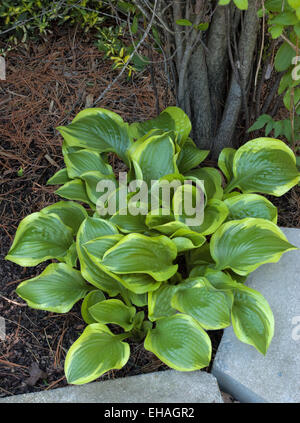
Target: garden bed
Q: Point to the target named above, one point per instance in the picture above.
(47, 85)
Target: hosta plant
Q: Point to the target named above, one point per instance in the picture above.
(150, 276)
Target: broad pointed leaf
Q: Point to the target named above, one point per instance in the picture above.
(137, 253)
(113, 311)
(180, 342)
(72, 214)
(251, 205)
(244, 245)
(252, 318)
(56, 289)
(90, 299)
(40, 237)
(264, 165)
(94, 353)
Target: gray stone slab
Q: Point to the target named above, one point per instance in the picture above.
(169, 386)
(239, 368)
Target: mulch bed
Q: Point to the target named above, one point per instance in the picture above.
(47, 85)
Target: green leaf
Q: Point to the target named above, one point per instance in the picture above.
(212, 181)
(224, 2)
(159, 302)
(71, 214)
(241, 4)
(219, 279)
(251, 205)
(94, 353)
(155, 157)
(139, 283)
(40, 237)
(75, 190)
(98, 131)
(285, 18)
(60, 177)
(264, 165)
(252, 318)
(90, 299)
(215, 213)
(56, 289)
(210, 307)
(284, 57)
(92, 228)
(294, 3)
(184, 22)
(225, 162)
(137, 253)
(276, 30)
(91, 181)
(180, 342)
(190, 156)
(170, 119)
(82, 161)
(113, 311)
(140, 300)
(185, 239)
(98, 246)
(260, 122)
(129, 223)
(244, 245)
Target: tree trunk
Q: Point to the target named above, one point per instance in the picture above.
(213, 68)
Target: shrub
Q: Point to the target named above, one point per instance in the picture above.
(151, 276)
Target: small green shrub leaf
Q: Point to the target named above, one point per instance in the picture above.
(94, 353)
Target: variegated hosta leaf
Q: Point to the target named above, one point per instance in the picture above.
(209, 306)
(159, 302)
(186, 240)
(137, 253)
(155, 157)
(40, 237)
(94, 353)
(264, 165)
(215, 213)
(92, 228)
(56, 289)
(90, 299)
(129, 223)
(71, 257)
(60, 177)
(98, 130)
(190, 156)
(113, 311)
(219, 279)
(72, 214)
(252, 318)
(250, 205)
(180, 342)
(225, 162)
(140, 300)
(201, 255)
(83, 161)
(91, 180)
(212, 181)
(171, 119)
(139, 283)
(75, 190)
(243, 245)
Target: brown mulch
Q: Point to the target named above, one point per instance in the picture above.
(47, 85)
